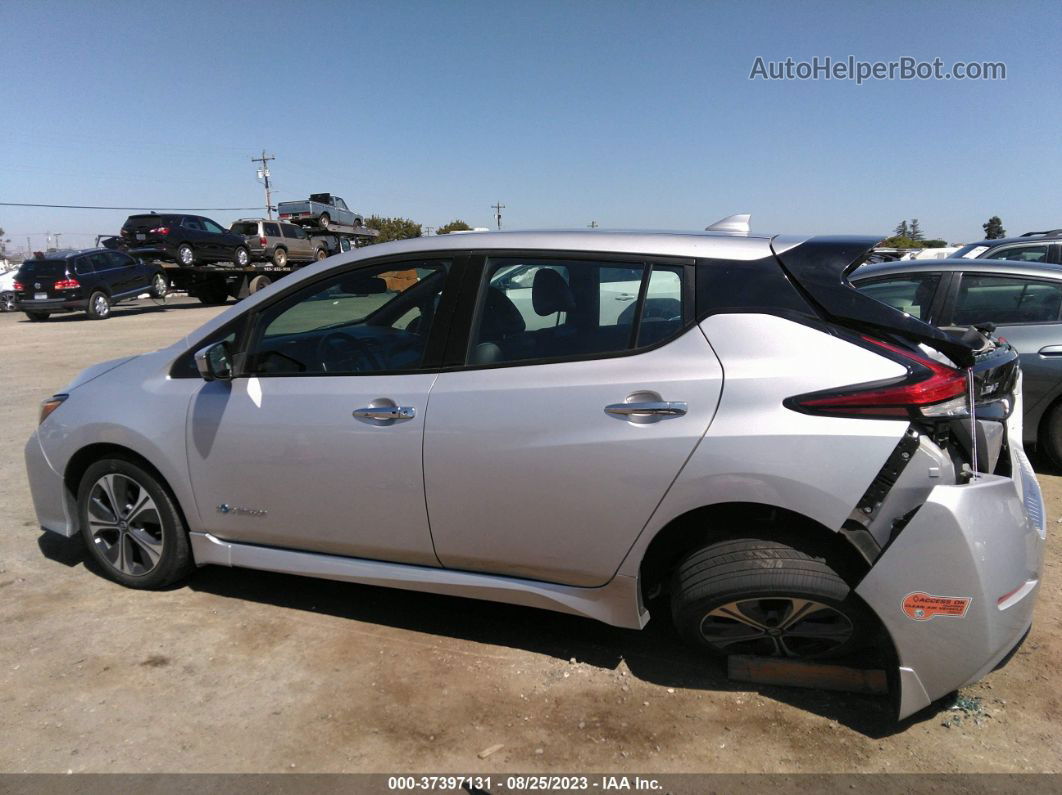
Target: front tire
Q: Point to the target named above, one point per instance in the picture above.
(99, 306)
(759, 597)
(1050, 441)
(131, 525)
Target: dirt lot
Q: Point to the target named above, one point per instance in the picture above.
(247, 671)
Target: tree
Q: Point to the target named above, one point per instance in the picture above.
(901, 229)
(392, 228)
(994, 228)
(935, 243)
(900, 241)
(915, 232)
(454, 226)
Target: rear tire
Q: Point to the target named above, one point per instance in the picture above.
(159, 288)
(259, 282)
(131, 525)
(212, 294)
(8, 302)
(320, 254)
(99, 306)
(324, 221)
(241, 257)
(753, 596)
(1050, 441)
(280, 257)
(37, 317)
(185, 255)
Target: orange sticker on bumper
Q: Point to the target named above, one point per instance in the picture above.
(923, 606)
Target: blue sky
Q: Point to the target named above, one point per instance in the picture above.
(626, 113)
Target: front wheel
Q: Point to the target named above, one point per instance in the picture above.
(1050, 441)
(131, 525)
(99, 306)
(759, 597)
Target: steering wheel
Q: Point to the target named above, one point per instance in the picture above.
(341, 353)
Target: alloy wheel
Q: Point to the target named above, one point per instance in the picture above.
(776, 626)
(101, 306)
(125, 524)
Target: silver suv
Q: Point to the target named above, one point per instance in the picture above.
(278, 242)
(713, 427)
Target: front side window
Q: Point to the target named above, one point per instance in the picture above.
(910, 293)
(101, 262)
(119, 260)
(192, 223)
(999, 299)
(533, 309)
(210, 226)
(83, 266)
(1021, 253)
(363, 321)
(293, 232)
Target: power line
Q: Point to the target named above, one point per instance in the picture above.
(155, 209)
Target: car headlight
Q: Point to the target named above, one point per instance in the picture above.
(50, 405)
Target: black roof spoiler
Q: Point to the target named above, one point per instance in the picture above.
(820, 266)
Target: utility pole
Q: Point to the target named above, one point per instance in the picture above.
(498, 207)
(592, 225)
(57, 240)
(263, 174)
(428, 230)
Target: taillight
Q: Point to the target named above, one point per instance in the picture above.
(68, 283)
(930, 389)
(262, 241)
(17, 286)
(160, 230)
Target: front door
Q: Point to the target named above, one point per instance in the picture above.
(316, 445)
(546, 456)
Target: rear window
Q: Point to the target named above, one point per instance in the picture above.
(245, 228)
(144, 221)
(48, 268)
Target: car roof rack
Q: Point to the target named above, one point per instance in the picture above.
(1047, 232)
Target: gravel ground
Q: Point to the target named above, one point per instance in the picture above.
(248, 671)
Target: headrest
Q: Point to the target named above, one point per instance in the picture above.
(550, 293)
(500, 316)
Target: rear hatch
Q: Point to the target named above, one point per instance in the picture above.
(947, 369)
(38, 279)
(141, 229)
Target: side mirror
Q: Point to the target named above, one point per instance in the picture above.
(214, 362)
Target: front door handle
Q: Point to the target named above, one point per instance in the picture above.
(669, 408)
(386, 413)
(1051, 350)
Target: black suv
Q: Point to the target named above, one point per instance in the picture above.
(1042, 247)
(185, 239)
(88, 281)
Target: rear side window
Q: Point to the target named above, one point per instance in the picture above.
(83, 266)
(533, 310)
(245, 228)
(1021, 253)
(910, 293)
(271, 230)
(999, 299)
(192, 223)
(119, 260)
(101, 262)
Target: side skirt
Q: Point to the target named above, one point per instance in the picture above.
(618, 603)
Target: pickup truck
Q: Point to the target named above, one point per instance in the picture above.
(320, 210)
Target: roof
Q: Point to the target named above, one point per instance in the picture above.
(65, 253)
(951, 264)
(1028, 237)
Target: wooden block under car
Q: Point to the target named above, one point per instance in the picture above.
(797, 673)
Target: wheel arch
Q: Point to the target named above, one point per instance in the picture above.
(733, 520)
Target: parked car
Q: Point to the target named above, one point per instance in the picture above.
(278, 242)
(1043, 247)
(321, 210)
(8, 297)
(89, 281)
(699, 462)
(185, 239)
(1023, 301)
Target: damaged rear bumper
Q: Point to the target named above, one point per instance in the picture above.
(955, 590)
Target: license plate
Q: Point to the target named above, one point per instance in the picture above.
(40, 296)
(141, 237)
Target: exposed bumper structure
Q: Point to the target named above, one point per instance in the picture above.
(978, 548)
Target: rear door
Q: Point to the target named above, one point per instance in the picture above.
(547, 451)
(297, 242)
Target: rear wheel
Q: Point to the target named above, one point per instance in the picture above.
(8, 302)
(259, 282)
(185, 255)
(280, 257)
(131, 525)
(759, 597)
(99, 306)
(241, 256)
(159, 288)
(212, 293)
(38, 317)
(324, 221)
(320, 254)
(1050, 440)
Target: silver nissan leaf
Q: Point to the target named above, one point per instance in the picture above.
(714, 428)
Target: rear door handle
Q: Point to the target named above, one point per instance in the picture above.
(386, 413)
(670, 408)
(1051, 350)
